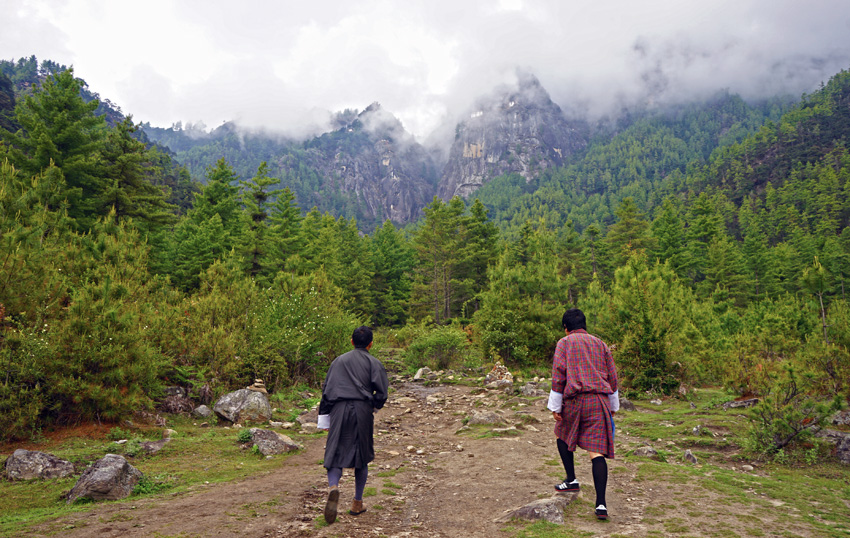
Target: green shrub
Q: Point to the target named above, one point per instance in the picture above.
(788, 413)
(244, 436)
(439, 348)
(116, 434)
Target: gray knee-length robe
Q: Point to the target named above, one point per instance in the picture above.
(356, 385)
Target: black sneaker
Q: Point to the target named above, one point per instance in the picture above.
(601, 512)
(567, 486)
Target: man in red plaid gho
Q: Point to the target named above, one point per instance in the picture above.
(583, 399)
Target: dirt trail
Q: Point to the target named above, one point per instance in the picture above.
(436, 483)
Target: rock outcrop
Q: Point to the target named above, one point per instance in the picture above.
(244, 405)
(28, 465)
(108, 479)
(551, 510)
(373, 156)
(517, 130)
(270, 443)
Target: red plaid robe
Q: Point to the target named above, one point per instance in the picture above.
(584, 372)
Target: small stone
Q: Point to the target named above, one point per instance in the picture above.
(656, 402)
(204, 425)
(747, 468)
(168, 433)
(422, 374)
(411, 448)
(120, 441)
(420, 452)
(689, 456)
(647, 452)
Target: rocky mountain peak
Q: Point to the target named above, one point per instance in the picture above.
(517, 129)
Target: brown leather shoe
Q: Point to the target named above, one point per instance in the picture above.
(330, 506)
(356, 508)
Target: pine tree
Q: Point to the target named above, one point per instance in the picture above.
(59, 128)
(629, 234)
(219, 196)
(127, 170)
(392, 259)
(285, 239)
(437, 243)
(254, 241)
(668, 229)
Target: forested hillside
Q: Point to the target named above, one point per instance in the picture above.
(708, 245)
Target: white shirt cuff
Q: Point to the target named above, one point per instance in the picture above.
(324, 422)
(614, 401)
(556, 401)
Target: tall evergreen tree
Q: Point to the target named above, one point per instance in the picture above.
(58, 127)
(255, 241)
(393, 261)
(127, 170)
(285, 239)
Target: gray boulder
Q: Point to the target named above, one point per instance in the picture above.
(841, 440)
(689, 457)
(648, 452)
(107, 479)
(27, 465)
(842, 418)
(152, 447)
(422, 374)
(531, 390)
(505, 385)
(270, 443)
(627, 405)
(485, 417)
(551, 510)
(843, 450)
(308, 417)
(244, 405)
(202, 411)
(741, 403)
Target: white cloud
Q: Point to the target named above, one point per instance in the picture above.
(278, 65)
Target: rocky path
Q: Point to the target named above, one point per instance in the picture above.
(428, 480)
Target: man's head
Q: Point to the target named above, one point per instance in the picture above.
(362, 337)
(573, 320)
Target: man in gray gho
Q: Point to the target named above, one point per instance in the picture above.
(355, 386)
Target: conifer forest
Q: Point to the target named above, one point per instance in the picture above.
(708, 244)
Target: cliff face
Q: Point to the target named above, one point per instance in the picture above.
(393, 176)
(517, 131)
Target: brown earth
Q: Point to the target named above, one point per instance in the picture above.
(442, 484)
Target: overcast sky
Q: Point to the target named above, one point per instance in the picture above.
(284, 64)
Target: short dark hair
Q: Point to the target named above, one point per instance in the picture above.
(574, 319)
(362, 337)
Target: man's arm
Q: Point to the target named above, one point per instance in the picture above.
(559, 381)
(612, 370)
(380, 384)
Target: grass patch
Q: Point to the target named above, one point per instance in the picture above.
(194, 457)
(544, 529)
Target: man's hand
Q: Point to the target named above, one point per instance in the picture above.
(557, 416)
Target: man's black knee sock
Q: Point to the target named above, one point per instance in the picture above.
(567, 460)
(600, 478)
